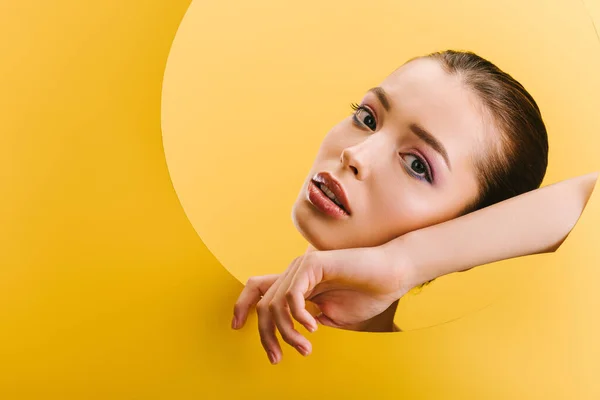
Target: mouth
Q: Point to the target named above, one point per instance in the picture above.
(327, 194)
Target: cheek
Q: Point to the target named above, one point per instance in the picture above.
(337, 139)
(331, 146)
(404, 210)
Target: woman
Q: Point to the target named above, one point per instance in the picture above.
(443, 136)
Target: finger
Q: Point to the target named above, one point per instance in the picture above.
(280, 311)
(297, 306)
(266, 330)
(266, 324)
(300, 286)
(285, 325)
(312, 308)
(251, 294)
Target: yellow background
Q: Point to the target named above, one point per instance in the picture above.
(106, 291)
(251, 89)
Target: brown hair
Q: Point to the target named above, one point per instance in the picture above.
(519, 157)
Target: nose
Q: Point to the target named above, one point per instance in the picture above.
(362, 158)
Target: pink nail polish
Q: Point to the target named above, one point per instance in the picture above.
(234, 324)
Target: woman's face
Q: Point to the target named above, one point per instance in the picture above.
(403, 160)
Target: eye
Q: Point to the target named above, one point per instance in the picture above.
(363, 116)
(417, 167)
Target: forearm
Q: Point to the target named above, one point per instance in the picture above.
(534, 222)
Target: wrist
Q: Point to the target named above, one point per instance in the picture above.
(398, 257)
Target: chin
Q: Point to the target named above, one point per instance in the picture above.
(306, 224)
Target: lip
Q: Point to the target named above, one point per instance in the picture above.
(335, 186)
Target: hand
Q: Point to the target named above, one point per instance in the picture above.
(349, 287)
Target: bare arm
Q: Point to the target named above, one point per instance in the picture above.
(351, 286)
(534, 222)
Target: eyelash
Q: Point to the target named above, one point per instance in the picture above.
(355, 107)
(428, 174)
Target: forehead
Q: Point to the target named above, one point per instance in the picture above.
(426, 83)
(422, 92)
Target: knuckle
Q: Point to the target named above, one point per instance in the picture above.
(252, 281)
(287, 338)
(262, 307)
(272, 306)
(297, 260)
(310, 257)
(289, 295)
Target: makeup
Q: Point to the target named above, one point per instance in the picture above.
(328, 196)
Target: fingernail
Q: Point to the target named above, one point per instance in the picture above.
(302, 350)
(234, 323)
(272, 358)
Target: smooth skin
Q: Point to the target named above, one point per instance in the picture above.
(396, 181)
(406, 159)
(352, 286)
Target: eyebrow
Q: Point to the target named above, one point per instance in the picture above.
(431, 141)
(417, 129)
(380, 93)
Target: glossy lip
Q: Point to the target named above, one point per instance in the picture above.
(323, 203)
(335, 186)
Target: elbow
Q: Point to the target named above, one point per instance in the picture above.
(586, 186)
